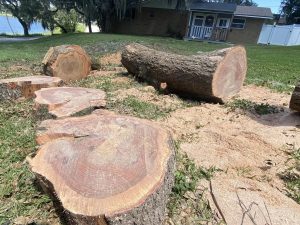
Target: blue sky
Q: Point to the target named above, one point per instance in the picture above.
(273, 4)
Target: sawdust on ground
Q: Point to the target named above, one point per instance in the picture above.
(245, 146)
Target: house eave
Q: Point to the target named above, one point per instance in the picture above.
(250, 16)
(210, 11)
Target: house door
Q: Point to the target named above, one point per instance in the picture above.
(202, 26)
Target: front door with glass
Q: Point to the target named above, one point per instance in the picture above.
(202, 26)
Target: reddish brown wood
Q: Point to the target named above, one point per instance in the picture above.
(295, 100)
(69, 62)
(214, 76)
(68, 101)
(106, 168)
(14, 88)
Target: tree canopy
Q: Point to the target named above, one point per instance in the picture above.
(25, 11)
(291, 9)
(57, 13)
(238, 2)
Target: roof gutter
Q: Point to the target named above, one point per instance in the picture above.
(210, 11)
(258, 17)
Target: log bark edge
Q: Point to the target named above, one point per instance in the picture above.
(214, 76)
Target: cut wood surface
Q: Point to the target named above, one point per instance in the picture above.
(213, 76)
(106, 168)
(68, 101)
(15, 88)
(69, 62)
(295, 100)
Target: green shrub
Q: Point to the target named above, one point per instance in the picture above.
(68, 20)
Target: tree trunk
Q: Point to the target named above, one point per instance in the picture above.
(25, 27)
(67, 101)
(213, 76)
(90, 26)
(69, 62)
(63, 29)
(295, 100)
(14, 88)
(106, 169)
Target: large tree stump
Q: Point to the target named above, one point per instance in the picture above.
(213, 76)
(14, 88)
(68, 101)
(106, 169)
(295, 100)
(69, 62)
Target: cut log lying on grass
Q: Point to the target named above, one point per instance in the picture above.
(67, 101)
(69, 62)
(14, 88)
(106, 169)
(295, 100)
(213, 76)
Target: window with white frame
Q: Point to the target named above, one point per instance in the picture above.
(238, 23)
(223, 22)
(198, 21)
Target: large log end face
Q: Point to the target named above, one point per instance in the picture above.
(106, 169)
(69, 62)
(230, 73)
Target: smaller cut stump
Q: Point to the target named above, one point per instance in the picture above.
(69, 62)
(295, 100)
(106, 169)
(68, 101)
(14, 88)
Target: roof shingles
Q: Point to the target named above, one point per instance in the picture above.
(253, 11)
(213, 6)
(243, 11)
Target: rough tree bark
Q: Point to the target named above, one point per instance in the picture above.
(295, 100)
(14, 88)
(67, 101)
(69, 62)
(213, 76)
(106, 169)
(25, 26)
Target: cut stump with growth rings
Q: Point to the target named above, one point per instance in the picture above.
(106, 169)
(14, 88)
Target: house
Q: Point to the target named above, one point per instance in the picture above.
(201, 21)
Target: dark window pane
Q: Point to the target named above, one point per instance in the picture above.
(241, 26)
(198, 22)
(209, 21)
(238, 21)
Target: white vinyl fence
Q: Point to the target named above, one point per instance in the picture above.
(287, 35)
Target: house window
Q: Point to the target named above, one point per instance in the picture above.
(209, 21)
(223, 22)
(198, 20)
(238, 23)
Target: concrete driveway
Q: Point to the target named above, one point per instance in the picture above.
(17, 39)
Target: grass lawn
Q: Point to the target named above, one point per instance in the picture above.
(272, 66)
(275, 67)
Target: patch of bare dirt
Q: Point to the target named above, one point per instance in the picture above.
(264, 95)
(18, 70)
(242, 144)
(248, 145)
(102, 73)
(149, 94)
(245, 146)
(111, 59)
